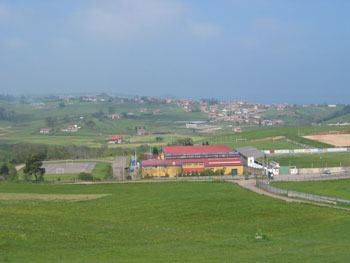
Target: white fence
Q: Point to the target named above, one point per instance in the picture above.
(316, 150)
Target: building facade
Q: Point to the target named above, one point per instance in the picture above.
(176, 160)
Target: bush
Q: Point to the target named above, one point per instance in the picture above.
(108, 172)
(129, 177)
(207, 172)
(85, 177)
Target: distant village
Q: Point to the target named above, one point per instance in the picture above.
(236, 114)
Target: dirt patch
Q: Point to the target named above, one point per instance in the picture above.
(333, 139)
(276, 138)
(48, 197)
(329, 132)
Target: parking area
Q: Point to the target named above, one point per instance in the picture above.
(69, 168)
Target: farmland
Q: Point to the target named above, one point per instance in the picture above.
(166, 222)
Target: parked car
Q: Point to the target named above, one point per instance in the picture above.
(327, 172)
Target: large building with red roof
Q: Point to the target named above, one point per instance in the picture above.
(176, 160)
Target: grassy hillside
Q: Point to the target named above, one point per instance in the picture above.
(165, 222)
(292, 133)
(334, 188)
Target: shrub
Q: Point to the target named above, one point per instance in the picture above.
(129, 177)
(85, 177)
(108, 172)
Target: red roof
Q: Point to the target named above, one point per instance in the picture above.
(197, 149)
(116, 137)
(227, 161)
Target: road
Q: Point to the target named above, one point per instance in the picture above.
(119, 166)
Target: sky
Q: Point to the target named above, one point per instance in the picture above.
(295, 51)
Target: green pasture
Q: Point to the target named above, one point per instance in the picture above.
(318, 160)
(335, 188)
(30, 120)
(293, 133)
(164, 222)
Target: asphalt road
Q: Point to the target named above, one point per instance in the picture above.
(119, 166)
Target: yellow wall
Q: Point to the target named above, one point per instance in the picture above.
(193, 165)
(172, 171)
(228, 170)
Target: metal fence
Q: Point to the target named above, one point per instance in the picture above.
(311, 177)
(204, 178)
(319, 198)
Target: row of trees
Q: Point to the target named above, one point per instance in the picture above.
(8, 172)
(6, 115)
(21, 151)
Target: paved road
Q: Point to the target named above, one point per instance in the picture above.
(118, 166)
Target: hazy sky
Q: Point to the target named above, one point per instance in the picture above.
(294, 51)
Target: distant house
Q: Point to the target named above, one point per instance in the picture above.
(72, 128)
(141, 132)
(237, 129)
(156, 112)
(115, 116)
(45, 131)
(143, 110)
(115, 139)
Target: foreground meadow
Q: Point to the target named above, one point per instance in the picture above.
(334, 188)
(165, 222)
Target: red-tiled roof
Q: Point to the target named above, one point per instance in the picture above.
(115, 137)
(210, 162)
(197, 149)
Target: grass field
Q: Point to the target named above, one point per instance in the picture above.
(292, 133)
(319, 160)
(334, 188)
(167, 222)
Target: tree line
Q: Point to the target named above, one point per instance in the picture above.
(6, 115)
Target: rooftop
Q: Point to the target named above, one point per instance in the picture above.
(197, 149)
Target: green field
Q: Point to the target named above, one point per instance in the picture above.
(319, 160)
(30, 120)
(334, 188)
(294, 134)
(164, 222)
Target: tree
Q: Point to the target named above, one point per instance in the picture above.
(61, 105)
(33, 167)
(155, 151)
(51, 121)
(109, 172)
(111, 109)
(4, 170)
(90, 124)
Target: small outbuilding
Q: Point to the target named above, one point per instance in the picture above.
(116, 139)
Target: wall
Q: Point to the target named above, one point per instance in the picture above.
(172, 171)
(228, 169)
(321, 170)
